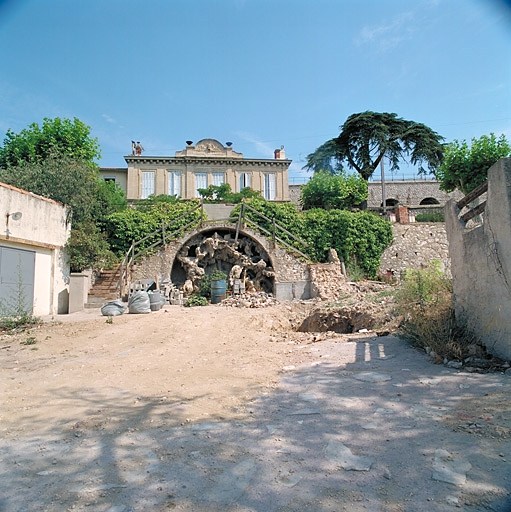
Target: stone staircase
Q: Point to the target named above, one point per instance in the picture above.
(104, 289)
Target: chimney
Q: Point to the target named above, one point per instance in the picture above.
(280, 154)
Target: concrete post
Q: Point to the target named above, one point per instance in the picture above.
(78, 290)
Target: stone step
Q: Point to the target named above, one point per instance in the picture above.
(104, 288)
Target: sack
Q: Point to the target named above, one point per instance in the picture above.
(139, 303)
(113, 308)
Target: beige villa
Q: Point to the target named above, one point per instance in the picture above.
(197, 166)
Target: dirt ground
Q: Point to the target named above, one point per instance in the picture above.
(187, 371)
(208, 360)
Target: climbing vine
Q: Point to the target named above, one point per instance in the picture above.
(358, 237)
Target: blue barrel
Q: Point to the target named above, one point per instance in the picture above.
(218, 291)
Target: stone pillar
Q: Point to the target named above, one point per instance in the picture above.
(402, 215)
(78, 291)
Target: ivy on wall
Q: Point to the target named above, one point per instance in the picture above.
(132, 224)
(358, 237)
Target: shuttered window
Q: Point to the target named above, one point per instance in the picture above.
(269, 187)
(245, 180)
(218, 178)
(201, 181)
(147, 184)
(174, 185)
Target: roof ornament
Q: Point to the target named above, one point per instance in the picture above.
(136, 148)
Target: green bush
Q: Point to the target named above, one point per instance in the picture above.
(224, 194)
(196, 300)
(430, 217)
(356, 236)
(205, 282)
(136, 223)
(340, 191)
(88, 247)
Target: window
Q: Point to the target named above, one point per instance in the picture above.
(269, 187)
(218, 178)
(174, 185)
(147, 184)
(201, 181)
(245, 180)
(109, 179)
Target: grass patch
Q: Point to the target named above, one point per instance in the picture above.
(379, 296)
(29, 341)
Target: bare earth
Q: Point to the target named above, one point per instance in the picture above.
(214, 409)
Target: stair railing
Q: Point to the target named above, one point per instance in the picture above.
(169, 231)
(469, 198)
(242, 218)
(165, 233)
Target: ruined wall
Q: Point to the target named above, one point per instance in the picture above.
(481, 264)
(415, 246)
(327, 279)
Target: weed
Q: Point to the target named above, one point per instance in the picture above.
(29, 341)
(354, 270)
(15, 312)
(110, 320)
(425, 301)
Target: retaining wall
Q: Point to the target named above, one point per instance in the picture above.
(481, 264)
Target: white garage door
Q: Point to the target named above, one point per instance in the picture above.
(16, 281)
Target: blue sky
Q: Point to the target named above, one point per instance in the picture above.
(259, 73)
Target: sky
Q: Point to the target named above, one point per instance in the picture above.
(258, 73)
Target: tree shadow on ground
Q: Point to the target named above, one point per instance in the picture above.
(357, 435)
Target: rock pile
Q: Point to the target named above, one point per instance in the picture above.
(250, 300)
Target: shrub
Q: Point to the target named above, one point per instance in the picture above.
(88, 247)
(340, 191)
(224, 194)
(430, 217)
(425, 300)
(196, 300)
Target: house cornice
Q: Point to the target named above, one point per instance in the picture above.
(183, 160)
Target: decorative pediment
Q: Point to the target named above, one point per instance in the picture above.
(209, 146)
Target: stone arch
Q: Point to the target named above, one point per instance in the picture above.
(214, 247)
(390, 202)
(429, 201)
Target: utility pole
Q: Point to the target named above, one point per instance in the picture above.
(384, 199)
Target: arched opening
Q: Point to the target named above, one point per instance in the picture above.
(391, 203)
(215, 249)
(429, 201)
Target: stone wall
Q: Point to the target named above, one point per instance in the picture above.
(408, 193)
(481, 264)
(415, 246)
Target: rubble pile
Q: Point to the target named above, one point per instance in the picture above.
(250, 300)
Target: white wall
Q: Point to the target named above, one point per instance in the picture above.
(42, 228)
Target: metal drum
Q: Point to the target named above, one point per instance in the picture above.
(218, 289)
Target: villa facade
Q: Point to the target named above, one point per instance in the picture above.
(197, 167)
